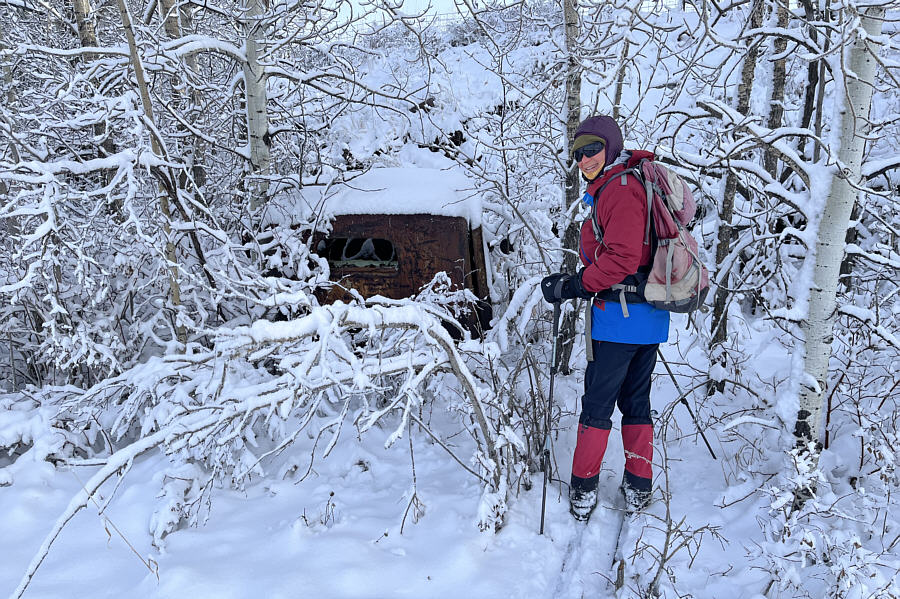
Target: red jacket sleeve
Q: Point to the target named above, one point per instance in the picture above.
(622, 212)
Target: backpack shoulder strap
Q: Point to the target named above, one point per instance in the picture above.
(648, 188)
(637, 171)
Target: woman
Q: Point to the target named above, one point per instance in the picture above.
(625, 332)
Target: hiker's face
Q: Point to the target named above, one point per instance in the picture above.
(592, 165)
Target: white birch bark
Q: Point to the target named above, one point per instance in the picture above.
(257, 117)
(859, 73)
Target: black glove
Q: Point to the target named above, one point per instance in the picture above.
(563, 286)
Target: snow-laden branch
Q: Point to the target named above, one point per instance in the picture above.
(39, 172)
(772, 138)
(190, 45)
(770, 186)
(868, 318)
(210, 406)
(891, 261)
(82, 51)
(43, 7)
(875, 168)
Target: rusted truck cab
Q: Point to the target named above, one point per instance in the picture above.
(390, 231)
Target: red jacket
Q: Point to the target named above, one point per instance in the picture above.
(622, 212)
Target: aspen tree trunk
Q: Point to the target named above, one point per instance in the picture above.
(820, 103)
(818, 328)
(257, 117)
(572, 180)
(726, 210)
(83, 17)
(169, 13)
(812, 71)
(173, 20)
(174, 288)
(198, 158)
(87, 34)
(776, 101)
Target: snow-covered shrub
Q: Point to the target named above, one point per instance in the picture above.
(831, 526)
(660, 543)
(235, 408)
(32, 431)
(183, 496)
(834, 543)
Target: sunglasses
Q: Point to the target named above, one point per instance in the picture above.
(592, 149)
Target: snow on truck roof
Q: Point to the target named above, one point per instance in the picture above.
(407, 190)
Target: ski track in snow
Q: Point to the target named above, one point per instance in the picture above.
(572, 554)
(586, 568)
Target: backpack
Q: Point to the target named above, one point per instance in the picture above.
(677, 280)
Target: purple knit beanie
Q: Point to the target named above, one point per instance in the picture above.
(605, 128)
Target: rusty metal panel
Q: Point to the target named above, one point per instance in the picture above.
(424, 245)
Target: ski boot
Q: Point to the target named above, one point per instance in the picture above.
(582, 503)
(636, 500)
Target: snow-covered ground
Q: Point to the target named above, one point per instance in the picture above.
(350, 529)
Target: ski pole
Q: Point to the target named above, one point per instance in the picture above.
(545, 454)
(683, 400)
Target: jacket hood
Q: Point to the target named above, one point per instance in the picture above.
(607, 129)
